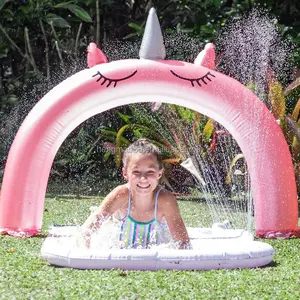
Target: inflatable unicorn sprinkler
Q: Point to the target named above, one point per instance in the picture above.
(151, 78)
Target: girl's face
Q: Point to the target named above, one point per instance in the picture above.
(142, 173)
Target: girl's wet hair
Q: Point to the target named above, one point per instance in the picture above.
(142, 146)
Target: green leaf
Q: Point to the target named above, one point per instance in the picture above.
(12, 99)
(292, 86)
(3, 2)
(206, 29)
(234, 161)
(251, 86)
(296, 111)
(57, 21)
(63, 4)
(135, 26)
(106, 156)
(80, 13)
(120, 144)
(131, 35)
(186, 30)
(208, 130)
(126, 118)
(107, 132)
(196, 126)
(277, 99)
(294, 126)
(216, 3)
(62, 162)
(3, 52)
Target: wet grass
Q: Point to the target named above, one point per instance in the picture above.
(24, 275)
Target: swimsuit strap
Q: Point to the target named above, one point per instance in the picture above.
(156, 202)
(129, 200)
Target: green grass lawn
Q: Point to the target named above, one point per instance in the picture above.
(24, 275)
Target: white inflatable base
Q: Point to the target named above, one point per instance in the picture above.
(212, 249)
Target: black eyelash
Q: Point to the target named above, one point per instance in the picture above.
(198, 80)
(110, 81)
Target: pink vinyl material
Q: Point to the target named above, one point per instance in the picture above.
(109, 85)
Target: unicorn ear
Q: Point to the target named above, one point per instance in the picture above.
(207, 57)
(95, 56)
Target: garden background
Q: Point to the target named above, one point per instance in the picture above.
(42, 42)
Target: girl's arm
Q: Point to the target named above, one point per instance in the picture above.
(175, 222)
(111, 203)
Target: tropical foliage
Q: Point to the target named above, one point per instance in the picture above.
(39, 38)
(287, 115)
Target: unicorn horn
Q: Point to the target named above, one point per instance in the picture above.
(152, 44)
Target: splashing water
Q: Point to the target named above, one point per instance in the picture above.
(252, 47)
(108, 237)
(207, 168)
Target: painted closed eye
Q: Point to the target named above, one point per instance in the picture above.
(109, 81)
(201, 80)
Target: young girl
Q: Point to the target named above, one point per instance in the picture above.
(147, 211)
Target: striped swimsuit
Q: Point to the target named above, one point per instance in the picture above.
(136, 234)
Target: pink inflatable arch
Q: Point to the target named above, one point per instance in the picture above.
(117, 83)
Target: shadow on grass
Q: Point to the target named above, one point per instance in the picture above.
(272, 264)
(40, 236)
(69, 197)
